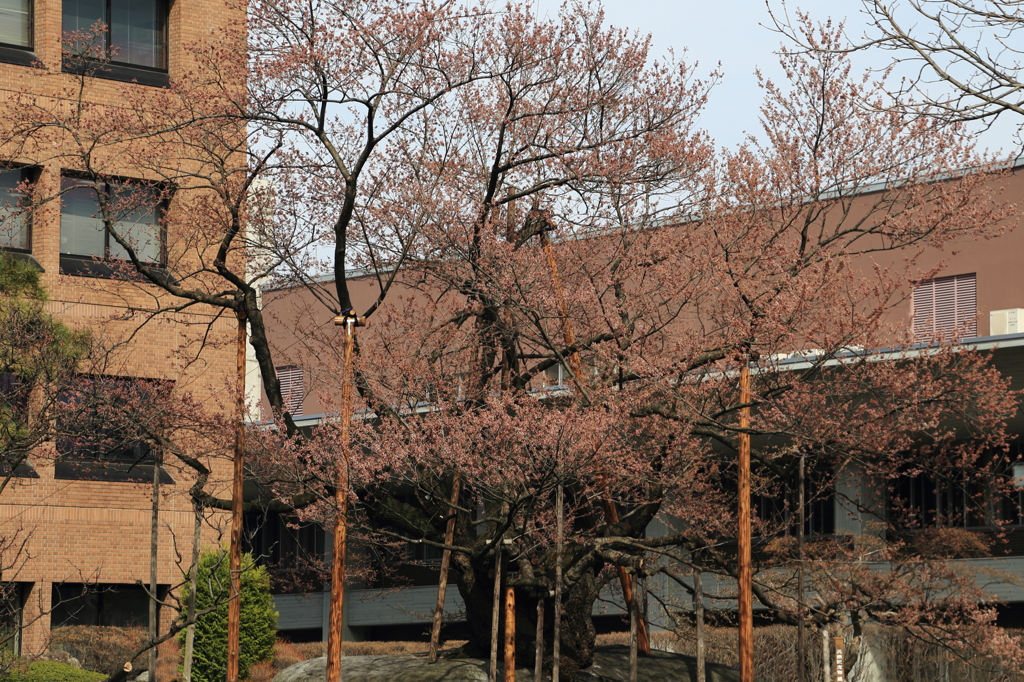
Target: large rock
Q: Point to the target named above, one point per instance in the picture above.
(611, 664)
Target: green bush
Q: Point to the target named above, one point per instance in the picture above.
(259, 620)
(51, 671)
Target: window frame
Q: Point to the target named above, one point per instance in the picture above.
(125, 72)
(23, 55)
(76, 462)
(29, 174)
(87, 265)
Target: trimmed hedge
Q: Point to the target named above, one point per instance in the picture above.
(259, 620)
(51, 671)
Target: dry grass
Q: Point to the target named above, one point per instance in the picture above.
(100, 648)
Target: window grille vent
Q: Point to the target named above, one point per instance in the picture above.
(945, 307)
(292, 390)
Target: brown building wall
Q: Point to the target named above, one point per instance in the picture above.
(98, 531)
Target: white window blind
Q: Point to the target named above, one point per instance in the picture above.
(292, 390)
(946, 307)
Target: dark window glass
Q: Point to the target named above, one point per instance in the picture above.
(99, 604)
(14, 219)
(135, 211)
(16, 23)
(103, 420)
(133, 32)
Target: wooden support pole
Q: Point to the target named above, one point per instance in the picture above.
(634, 620)
(698, 608)
(801, 632)
(237, 482)
(611, 513)
(538, 662)
(492, 672)
(336, 615)
(446, 558)
(154, 604)
(510, 634)
(744, 586)
(556, 625)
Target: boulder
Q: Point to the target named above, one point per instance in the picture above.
(611, 664)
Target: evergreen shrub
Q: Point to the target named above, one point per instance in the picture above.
(258, 620)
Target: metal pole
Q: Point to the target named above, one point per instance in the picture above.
(745, 577)
(341, 485)
(801, 635)
(492, 673)
(235, 550)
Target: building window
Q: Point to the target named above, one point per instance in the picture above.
(99, 604)
(15, 219)
(133, 32)
(292, 390)
(945, 307)
(101, 429)
(16, 23)
(134, 210)
(12, 603)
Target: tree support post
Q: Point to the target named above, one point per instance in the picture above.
(341, 486)
(698, 608)
(446, 557)
(237, 481)
(510, 633)
(745, 577)
(801, 633)
(492, 672)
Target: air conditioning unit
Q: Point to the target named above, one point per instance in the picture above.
(1010, 321)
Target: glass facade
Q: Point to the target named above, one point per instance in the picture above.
(16, 23)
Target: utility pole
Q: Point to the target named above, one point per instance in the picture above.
(341, 484)
(238, 479)
(745, 577)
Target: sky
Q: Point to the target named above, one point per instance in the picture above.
(738, 34)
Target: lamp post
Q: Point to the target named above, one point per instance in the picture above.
(349, 321)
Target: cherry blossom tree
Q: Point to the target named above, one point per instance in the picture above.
(565, 279)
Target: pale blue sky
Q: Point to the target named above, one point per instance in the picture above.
(736, 33)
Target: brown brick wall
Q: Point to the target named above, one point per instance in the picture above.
(79, 531)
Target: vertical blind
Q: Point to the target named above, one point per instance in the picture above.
(946, 307)
(291, 388)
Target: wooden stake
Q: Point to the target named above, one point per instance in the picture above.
(538, 663)
(801, 635)
(744, 586)
(634, 619)
(826, 656)
(341, 484)
(510, 634)
(238, 479)
(556, 647)
(193, 582)
(492, 673)
(446, 557)
(154, 530)
(698, 608)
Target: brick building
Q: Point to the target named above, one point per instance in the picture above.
(91, 525)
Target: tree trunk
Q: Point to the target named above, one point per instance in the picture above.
(576, 648)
